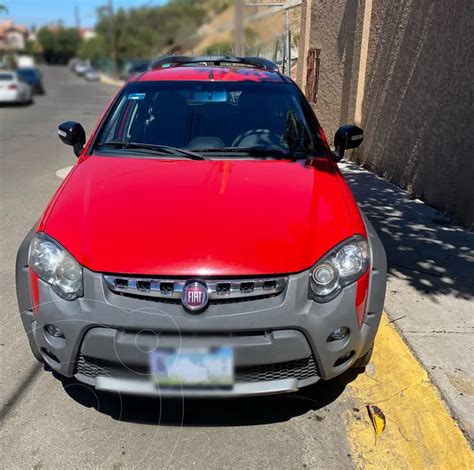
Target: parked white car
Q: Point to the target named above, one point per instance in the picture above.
(91, 74)
(81, 67)
(14, 90)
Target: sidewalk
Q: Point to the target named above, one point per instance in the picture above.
(430, 291)
(108, 80)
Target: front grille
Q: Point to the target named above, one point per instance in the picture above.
(91, 367)
(299, 369)
(223, 288)
(219, 291)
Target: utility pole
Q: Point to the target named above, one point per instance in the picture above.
(286, 42)
(239, 28)
(113, 50)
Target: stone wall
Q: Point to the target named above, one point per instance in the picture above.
(417, 109)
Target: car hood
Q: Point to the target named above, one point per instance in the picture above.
(200, 218)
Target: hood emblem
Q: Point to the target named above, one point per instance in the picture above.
(194, 296)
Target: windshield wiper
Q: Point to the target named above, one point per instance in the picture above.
(152, 147)
(259, 152)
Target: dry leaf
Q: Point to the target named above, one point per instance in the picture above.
(377, 417)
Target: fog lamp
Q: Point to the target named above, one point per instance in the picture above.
(344, 358)
(338, 333)
(54, 331)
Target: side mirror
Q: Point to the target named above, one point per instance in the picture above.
(72, 133)
(347, 137)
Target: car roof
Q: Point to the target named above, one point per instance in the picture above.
(9, 72)
(211, 73)
(27, 69)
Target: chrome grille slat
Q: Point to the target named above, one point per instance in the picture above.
(135, 286)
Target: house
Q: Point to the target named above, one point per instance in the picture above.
(87, 33)
(12, 36)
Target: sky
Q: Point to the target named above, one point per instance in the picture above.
(41, 12)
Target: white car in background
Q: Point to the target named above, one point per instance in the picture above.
(91, 74)
(14, 90)
(81, 67)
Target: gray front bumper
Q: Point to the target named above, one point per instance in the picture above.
(115, 333)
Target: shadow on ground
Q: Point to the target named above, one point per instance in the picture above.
(422, 244)
(209, 412)
(16, 105)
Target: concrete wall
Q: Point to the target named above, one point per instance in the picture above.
(417, 110)
(335, 27)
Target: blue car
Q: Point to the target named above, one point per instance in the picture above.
(32, 76)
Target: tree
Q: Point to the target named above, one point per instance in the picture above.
(32, 47)
(59, 45)
(93, 48)
(148, 31)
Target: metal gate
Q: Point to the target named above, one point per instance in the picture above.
(312, 74)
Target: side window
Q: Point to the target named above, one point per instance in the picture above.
(122, 131)
(124, 124)
(129, 119)
(109, 132)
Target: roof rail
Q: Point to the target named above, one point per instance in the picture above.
(171, 61)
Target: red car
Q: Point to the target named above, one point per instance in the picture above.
(205, 243)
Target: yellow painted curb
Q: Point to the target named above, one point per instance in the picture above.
(419, 431)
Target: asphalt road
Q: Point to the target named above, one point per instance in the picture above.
(46, 423)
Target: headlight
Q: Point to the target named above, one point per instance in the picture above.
(54, 265)
(340, 267)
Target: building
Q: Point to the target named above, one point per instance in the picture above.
(86, 33)
(403, 70)
(12, 36)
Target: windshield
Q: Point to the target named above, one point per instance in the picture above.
(242, 118)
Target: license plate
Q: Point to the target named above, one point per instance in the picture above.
(198, 367)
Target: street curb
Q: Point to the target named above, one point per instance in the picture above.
(416, 428)
(444, 396)
(107, 80)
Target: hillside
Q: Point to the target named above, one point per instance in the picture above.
(261, 30)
